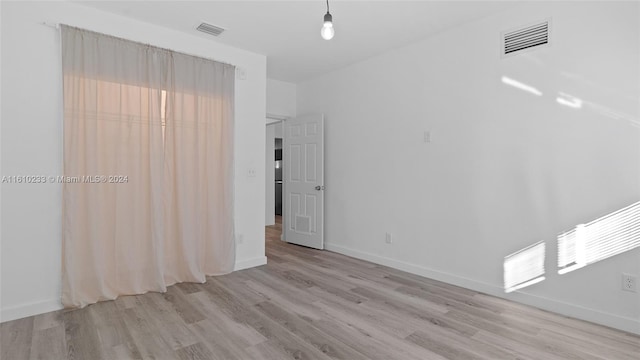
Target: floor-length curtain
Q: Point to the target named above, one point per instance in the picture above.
(199, 169)
(145, 204)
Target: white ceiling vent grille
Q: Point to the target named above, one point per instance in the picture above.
(210, 29)
(526, 38)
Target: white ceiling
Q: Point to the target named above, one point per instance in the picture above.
(288, 32)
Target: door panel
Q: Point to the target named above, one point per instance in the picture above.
(304, 181)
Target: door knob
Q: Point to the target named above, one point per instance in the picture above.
(318, 187)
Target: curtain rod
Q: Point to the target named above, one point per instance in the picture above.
(58, 25)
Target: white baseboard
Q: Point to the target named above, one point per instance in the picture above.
(34, 308)
(618, 322)
(249, 263)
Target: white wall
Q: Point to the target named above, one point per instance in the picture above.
(281, 98)
(281, 101)
(32, 142)
(504, 168)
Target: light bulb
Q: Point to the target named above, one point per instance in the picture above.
(327, 30)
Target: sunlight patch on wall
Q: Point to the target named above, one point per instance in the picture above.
(600, 239)
(520, 85)
(569, 100)
(524, 267)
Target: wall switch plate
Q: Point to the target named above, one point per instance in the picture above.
(241, 73)
(388, 238)
(427, 136)
(629, 283)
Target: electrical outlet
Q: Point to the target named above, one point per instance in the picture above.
(388, 238)
(629, 283)
(251, 172)
(240, 239)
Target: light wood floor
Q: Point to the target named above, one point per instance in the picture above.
(309, 304)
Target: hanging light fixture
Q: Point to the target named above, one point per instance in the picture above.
(327, 30)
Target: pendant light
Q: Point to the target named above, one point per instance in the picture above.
(327, 30)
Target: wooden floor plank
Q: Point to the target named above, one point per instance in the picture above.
(239, 332)
(48, 343)
(145, 335)
(16, 339)
(82, 337)
(220, 343)
(332, 347)
(196, 351)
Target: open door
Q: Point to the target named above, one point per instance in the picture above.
(303, 218)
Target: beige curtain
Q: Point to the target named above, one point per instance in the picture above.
(148, 168)
(198, 145)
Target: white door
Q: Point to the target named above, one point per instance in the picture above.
(303, 203)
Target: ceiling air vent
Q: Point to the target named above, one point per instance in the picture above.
(210, 29)
(526, 38)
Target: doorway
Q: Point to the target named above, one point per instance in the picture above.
(278, 177)
(273, 172)
(295, 179)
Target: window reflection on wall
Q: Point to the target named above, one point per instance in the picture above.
(524, 267)
(600, 239)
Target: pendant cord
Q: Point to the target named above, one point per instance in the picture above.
(327, 6)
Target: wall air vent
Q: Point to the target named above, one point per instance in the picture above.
(210, 29)
(526, 38)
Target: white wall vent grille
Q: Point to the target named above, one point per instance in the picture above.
(210, 29)
(526, 38)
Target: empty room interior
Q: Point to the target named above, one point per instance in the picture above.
(320, 180)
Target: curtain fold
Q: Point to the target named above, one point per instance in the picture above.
(148, 168)
(197, 146)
